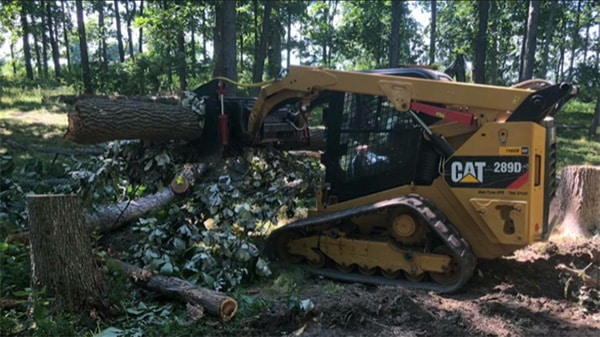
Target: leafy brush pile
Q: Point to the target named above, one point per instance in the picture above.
(211, 235)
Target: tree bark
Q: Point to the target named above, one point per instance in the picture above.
(110, 217)
(26, 46)
(529, 53)
(576, 207)
(493, 47)
(85, 63)
(481, 42)
(395, 33)
(119, 34)
(66, 35)
(98, 120)
(44, 25)
(129, 16)
(53, 38)
(229, 44)
(259, 65)
(574, 39)
(274, 55)
(103, 49)
(140, 41)
(548, 33)
(432, 32)
(219, 69)
(61, 254)
(216, 304)
(36, 49)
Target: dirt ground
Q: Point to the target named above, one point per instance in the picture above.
(521, 295)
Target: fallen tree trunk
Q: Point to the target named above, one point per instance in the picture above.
(214, 303)
(110, 217)
(576, 207)
(98, 120)
(72, 99)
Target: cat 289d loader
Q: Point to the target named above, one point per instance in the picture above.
(424, 175)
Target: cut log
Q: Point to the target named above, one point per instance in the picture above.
(215, 303)
(61, 254)
(110, 217)
(98, 120)
(576, 207)
(72, 99)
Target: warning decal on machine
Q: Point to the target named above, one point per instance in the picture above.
(493, 171)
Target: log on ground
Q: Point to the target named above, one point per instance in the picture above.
(215, 303)
(576, 207)
(98, 120)
(107, 218)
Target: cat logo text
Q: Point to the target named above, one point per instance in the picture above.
(467, 172)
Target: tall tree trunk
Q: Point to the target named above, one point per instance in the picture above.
(119, 34)
(395, 34)
(204, 36)
(66, 35)
(61, 254)
(532, 25)
(129, 15)
(523, 44)
(481, 42)
(26, 46)
(181, 60)
(586, 41)
(259, 64)
(85, 62)
(288, 43)
(219, 69)
(13, 59)
(493, 51)
(330, 30)
(140, 39)
(574, 39)
(560, 66)
(103, 49)
(193, 50)
(242, 66)
(274, 55)
(548, 33)
(38, 53)
(432, 32)
(229, 44)
(44, 24)
(53, 39)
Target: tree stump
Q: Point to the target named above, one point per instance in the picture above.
(61, 254)
(576, 206)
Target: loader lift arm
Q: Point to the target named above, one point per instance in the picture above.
(465, 103)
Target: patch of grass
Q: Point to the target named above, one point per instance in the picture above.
(574, 148)
(20, 99)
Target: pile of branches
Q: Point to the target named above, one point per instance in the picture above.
(211, 233)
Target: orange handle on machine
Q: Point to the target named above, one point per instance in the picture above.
(222, 119)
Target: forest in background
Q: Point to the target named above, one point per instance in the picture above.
(147, 47)
(212, 236)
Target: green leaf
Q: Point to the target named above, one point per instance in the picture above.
(167, 269)
(110, 332)
(148, 166)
